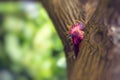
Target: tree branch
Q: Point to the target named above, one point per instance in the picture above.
(98, 58)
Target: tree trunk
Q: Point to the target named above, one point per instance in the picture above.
(98, 57)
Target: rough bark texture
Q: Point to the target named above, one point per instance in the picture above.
(99, 57)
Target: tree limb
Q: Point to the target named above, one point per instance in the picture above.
(98, 58)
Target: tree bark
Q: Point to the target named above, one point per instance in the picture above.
(98, 57)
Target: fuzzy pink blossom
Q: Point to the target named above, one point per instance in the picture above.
(77, 35)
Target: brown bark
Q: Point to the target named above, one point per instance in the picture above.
(98, 58)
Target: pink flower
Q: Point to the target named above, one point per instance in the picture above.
(77, 35)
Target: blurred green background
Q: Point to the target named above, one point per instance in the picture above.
(30, 48)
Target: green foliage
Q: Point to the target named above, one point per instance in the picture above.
(32, 43)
